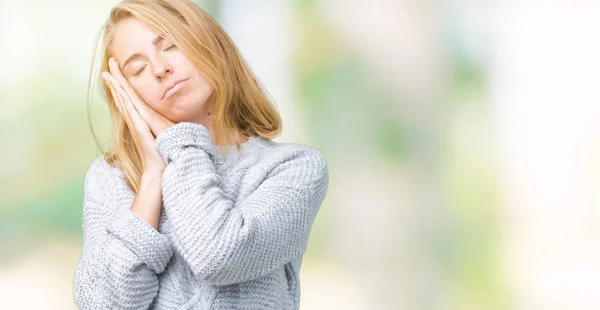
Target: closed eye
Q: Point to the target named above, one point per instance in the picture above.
(140, 71)
(170, 47)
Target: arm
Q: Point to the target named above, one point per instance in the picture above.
(121, 252)
(223, 244)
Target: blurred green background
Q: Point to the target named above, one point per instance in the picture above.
(462, 139)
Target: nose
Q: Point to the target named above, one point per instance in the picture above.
(162, 68)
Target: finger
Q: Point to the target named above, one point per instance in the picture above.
(113, 92)
(117, 98)
(119, 103)
(135, 124)
(123, 108)
(142, 108)
(144, 134)
(152, 118)
(134, 115)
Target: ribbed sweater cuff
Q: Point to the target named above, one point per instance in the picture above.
(181, 135)
(152, 247)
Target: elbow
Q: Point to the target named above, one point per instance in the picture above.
(213, 276)
(231, 272)
(83, 291)
(214, 272)
(224, 262)
(223, 267)
(86, 285)
(81, 299)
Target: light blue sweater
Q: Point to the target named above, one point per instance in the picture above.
(231, 235)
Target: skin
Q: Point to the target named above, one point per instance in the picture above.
(138, 85)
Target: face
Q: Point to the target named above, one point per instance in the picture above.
(160, 73)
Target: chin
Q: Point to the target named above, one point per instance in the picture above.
(188, 107)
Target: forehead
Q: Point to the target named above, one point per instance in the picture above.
(131, 36)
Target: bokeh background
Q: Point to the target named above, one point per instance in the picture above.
(462, 137)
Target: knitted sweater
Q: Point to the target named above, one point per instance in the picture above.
(231, 235)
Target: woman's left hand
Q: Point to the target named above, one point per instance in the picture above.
(155, 121)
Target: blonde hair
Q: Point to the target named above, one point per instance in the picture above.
(242, 107)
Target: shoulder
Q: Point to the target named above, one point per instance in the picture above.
(101, 177)
(296, 156)
(100, 167)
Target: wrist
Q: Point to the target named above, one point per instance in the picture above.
(152, 174)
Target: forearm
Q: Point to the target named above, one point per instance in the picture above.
(148, 200)
(223, 244)
(110, 275)
(122, 254)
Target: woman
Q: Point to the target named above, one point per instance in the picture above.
(194, 206)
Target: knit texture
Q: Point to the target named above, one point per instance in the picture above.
(232, 231)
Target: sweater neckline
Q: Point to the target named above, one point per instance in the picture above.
(253, 144)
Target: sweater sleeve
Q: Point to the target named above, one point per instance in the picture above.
(121, 253)
(225, 245)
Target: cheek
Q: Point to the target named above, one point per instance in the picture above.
(148, 93)
(203, 86)
(179, 61)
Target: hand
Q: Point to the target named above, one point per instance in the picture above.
(155, 120)
(140, 130)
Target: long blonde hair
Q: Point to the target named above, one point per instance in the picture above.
(242, 107)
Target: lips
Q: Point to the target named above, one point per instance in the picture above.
(173, 88)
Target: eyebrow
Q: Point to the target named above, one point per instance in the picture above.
(156, 41)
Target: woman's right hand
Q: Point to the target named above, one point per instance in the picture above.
(152, 162)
